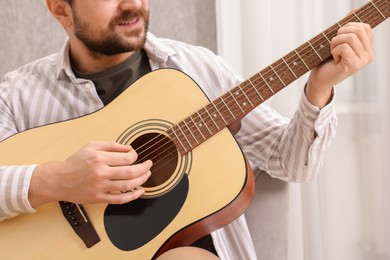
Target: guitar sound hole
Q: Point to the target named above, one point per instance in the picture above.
(163, 153)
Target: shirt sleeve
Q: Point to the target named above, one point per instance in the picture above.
(14, 180)
(291, 150)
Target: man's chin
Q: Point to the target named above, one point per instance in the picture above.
(136, 42)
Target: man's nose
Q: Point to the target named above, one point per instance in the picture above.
(130, 5)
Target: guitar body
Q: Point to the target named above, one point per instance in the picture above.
(213, 186)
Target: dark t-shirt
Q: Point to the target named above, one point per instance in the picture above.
(113, 81)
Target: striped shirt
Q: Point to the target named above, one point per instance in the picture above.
(291, 150)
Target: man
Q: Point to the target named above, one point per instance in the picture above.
(108, 48)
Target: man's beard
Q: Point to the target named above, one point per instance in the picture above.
(106, 41)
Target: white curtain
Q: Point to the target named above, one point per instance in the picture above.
(345, 212)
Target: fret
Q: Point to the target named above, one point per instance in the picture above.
(384, 17)
(302, 60)
(315, 50)
(178, 139)
(310, 57)
(338, 24)
(196, 125)
(238, 104)
(223, 101)
(332, 32)
(243, 92)
(348, 19)
(266, 82)
(210, 124)
(242, 98)
(325, 37)
(374, 13)
(212, 119)
(189, 129)
(289, 68)
(285, 71)
(185, 136)
(357, 17)
(231, 104)
(203, 123)
(293, 62)
(216, 109)
(277, 75)
(258, 93)
(321, 45)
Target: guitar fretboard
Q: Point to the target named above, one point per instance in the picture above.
(242, 99)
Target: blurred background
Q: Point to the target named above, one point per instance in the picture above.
(344, 212)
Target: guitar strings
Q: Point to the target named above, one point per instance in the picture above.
(266, 74)
(347, 20)
(270, 72)
(175, 150)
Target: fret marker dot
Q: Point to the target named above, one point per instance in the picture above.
(271, 78)
(215, 115)
(244, 103)
(295, 63)
(322, 46)
(237, 93)
(200, 125)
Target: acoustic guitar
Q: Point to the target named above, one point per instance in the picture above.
(200, 182)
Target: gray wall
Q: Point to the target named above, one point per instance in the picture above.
(29, 32)
(191, 21)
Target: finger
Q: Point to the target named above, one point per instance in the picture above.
(121, 198)
(349, 62)
(348, 41)
(118, 158)
(129, 172)
(109, 146)
(359, 37)
(363, 31)
(116, 186)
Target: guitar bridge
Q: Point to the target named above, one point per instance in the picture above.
(78, 219)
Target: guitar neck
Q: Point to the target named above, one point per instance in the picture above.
(242, 99)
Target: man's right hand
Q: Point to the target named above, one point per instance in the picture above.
(97, 173)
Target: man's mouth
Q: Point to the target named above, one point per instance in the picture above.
(129, 22)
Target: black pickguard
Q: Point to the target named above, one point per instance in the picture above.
(132, 225)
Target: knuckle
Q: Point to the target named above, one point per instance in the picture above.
(91, 144)
(97, 197)
(126, 187)
(97, 173)
(95, 159)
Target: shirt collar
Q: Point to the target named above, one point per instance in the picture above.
(156, 50)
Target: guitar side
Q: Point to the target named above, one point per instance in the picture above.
(220, 182)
